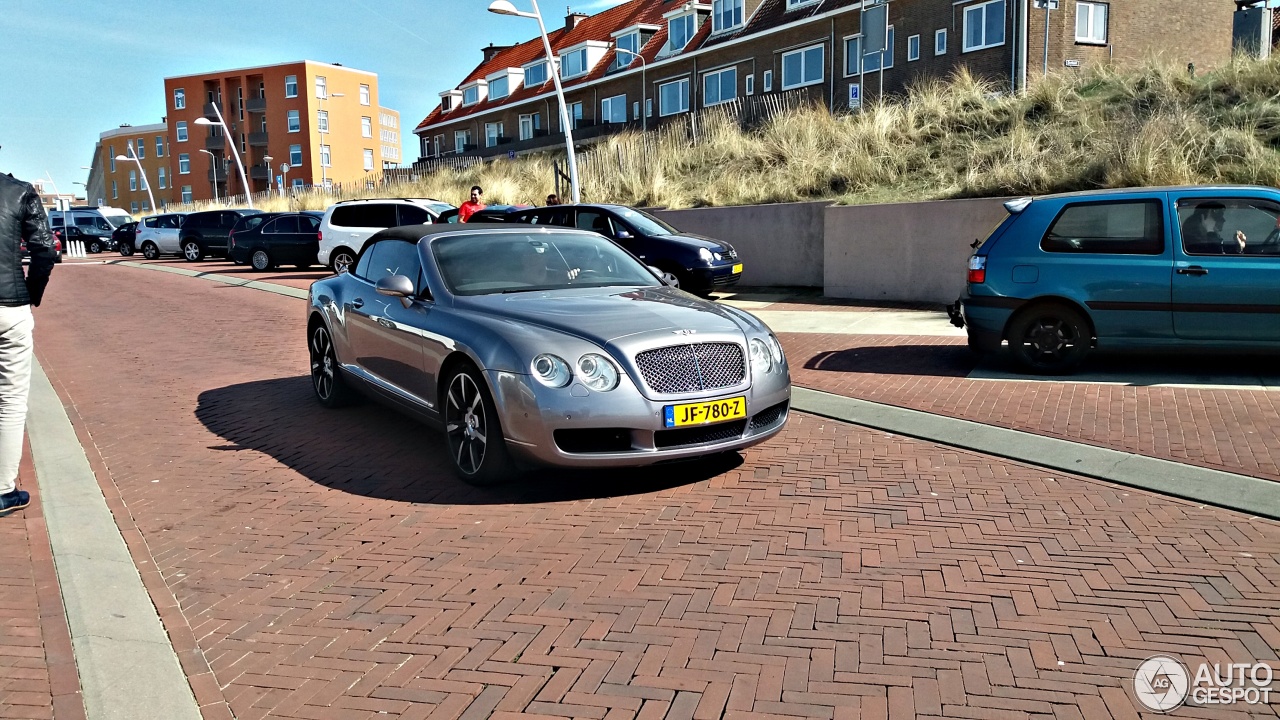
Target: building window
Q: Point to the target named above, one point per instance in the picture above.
(673, 97)
(141, 152)
(186, 194)
(793, 4)
(913, 48)
(574, 64)
(179, 99)
(446, 104)
(940, 42)
(498, 88)
(984, 25)
(111, 156)
(291, 86)
(295, 155)
(726, 14)
(115, 192)
(679, 32)
(628, 46)
(614, 109)
(768, 81)
(1091, 23)
(159, 146)
(535, 75)
(324, 156)
(528, 123)
(161, 178)
(295, 121)
(871, 60)
(364, 94)
(492, 133)
(575, 114)
(298, 183)
(471, 95)
(635, 110)
(184, 164)
(133, 207)
(181, 130)
(322, 121)
(648, 107)
(366, 127)
(461, 139)
(802, 67)
(322, 87)
(368, 159)
(133, 181)
(720, 86)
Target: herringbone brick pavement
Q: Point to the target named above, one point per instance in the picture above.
(318, 564)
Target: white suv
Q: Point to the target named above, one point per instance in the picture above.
(348, 224)
(158, 235)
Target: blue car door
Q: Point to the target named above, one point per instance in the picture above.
(1226, 282)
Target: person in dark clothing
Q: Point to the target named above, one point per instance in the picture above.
(1202, 232)
(22, 220)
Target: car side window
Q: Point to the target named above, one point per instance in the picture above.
(307, 223)
(149, 222)
(1229, 226)
(1133, 227)
(395, 257)
(252, 222)
(366, 260)
(286, 224)
(595, 221)
(413, 215)
(380, 215)
(345, 216)
(563, 218)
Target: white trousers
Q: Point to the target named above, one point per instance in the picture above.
(16, 326)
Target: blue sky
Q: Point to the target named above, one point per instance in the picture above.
(75, 68)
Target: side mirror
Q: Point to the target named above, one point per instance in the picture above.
(623, 235)
(397, 286)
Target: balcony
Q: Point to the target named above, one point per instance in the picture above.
(258, 139)
(215, 143)
(219, 175)
(210, 112)
(259, 172)
(256, 105)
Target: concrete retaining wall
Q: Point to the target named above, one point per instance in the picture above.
(780, 245)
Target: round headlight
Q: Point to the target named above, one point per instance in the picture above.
(597, 372)
(775, 350)
(704, 254)
(551, 371)
(761, 362)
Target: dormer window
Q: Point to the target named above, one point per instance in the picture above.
(574, 63)
(498, 88)
(726, 14)
(503, 82)
(536, 74)
(446, 103)
(628, 42)
(474, 92)
(680, 31)
(449, 100)
(579, 59)
(793, 4)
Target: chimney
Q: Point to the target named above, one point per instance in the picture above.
(572, 19)
(492, 51)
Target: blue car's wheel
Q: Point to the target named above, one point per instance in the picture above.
(1050, 339)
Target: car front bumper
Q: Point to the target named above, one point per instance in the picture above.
(574, 427)
(715, 276)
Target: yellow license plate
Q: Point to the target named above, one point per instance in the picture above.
(737, 268)
(705, 413)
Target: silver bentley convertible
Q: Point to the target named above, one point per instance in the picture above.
(542, 346)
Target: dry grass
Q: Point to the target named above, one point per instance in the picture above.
(1153, 125)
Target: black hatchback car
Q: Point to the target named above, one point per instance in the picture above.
(122, 238)
(266, 240)
(694, 263)
(208, 232)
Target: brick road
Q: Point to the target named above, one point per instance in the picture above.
(320, 564)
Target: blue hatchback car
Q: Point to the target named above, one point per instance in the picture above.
(1150, 268)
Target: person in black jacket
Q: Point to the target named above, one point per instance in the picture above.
(22, 220)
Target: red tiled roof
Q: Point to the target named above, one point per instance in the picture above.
(594, 28)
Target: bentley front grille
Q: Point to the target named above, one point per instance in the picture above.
(691, 368)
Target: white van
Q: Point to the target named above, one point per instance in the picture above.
(99, 221)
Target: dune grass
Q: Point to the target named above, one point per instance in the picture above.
(1108, 127)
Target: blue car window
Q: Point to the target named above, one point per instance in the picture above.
(1131, 227)
(1229, 226)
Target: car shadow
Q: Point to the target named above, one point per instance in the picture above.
(374, 451)
(932, 360)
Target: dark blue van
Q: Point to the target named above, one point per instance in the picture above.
(1150, 268)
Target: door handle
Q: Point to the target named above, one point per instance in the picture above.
(357, 303)
(386, 323)
(1193, 270)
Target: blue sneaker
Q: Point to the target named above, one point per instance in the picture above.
(15, 500)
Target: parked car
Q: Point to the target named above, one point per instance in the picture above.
(491, 213)
(158, 235)
(94, 237)
(97, 221)
(1185, 267)
(122, 238)
(348, 224)
(207, 232)
(544, 346)
(691, 262)
(266, 240)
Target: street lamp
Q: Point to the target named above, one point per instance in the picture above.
(145, 183)
(266, 162)
(324, 180)
(644, 115)
(213, 163)
(504, 7)
(244, 181)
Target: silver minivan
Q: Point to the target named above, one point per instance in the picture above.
(158, 235)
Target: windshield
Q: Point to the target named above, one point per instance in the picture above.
(117, 220)
(646, 223)
(509, 262)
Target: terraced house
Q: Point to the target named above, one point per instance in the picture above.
(646, 62)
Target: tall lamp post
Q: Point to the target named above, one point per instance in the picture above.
(213, 163)
(143, 172)
(504, 7)
(324, 177)
(244, 181)
(266, 161)
(644, 116)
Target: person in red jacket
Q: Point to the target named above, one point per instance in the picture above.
(471, 206)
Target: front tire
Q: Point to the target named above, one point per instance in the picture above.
(341, 261)
(150, 251)
(1050, 339)
(192, 251)
(476, 445)
(126, 249)
(95, 247)
(326, 378)
(260, 260)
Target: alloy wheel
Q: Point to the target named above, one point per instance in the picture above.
(94, 247)
(670, 279)
(323, 363)
(260, 260)
(150, 251)
(466, 424)
(1049, 339)
(342, 262)
(191, 251)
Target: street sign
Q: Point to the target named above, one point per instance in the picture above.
(855, 96)
(511, 154)
(1071, 63)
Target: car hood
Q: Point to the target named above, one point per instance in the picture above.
(693, 240)
(603, 315)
